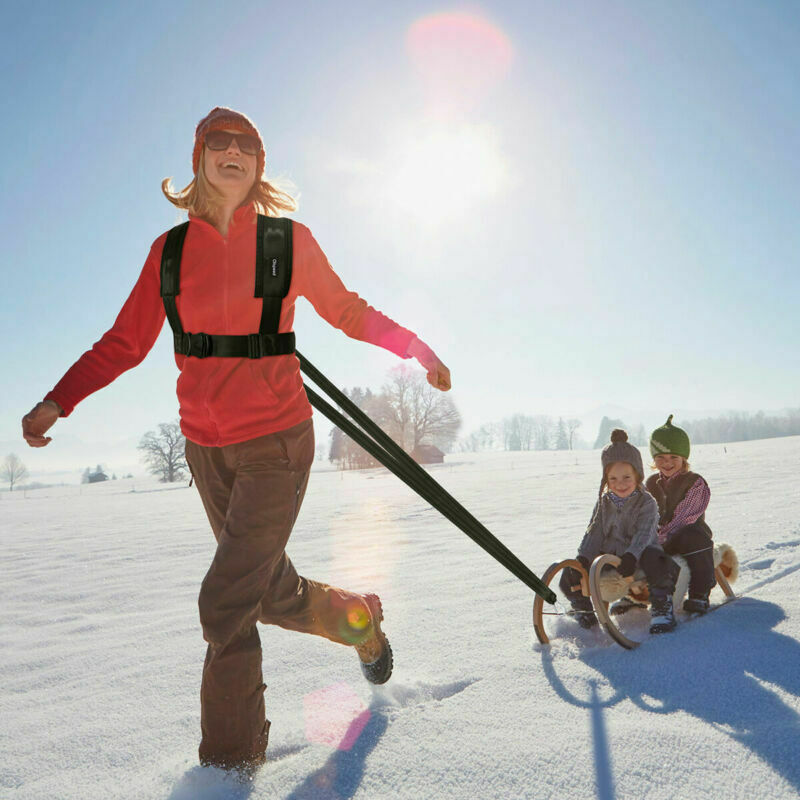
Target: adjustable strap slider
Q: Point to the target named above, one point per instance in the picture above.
(181, 343)
(260, 345)
(253, 346)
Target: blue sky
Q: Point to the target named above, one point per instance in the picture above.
(582, 204)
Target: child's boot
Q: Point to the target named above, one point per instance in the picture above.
(696, 603)
(662, 617)
(583, 609)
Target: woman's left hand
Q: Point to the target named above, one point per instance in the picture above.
(438, 374)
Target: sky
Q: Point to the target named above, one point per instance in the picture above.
(574, 205)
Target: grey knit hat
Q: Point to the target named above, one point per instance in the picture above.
(622, 450)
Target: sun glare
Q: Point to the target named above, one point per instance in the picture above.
(445, 171)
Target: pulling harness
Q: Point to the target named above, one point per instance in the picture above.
(273, 279)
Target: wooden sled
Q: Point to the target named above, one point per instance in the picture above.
(604, 589)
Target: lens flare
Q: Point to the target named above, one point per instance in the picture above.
(357, 619)
(459, 57)
(334, 716)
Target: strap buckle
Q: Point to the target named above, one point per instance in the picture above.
(197, 345)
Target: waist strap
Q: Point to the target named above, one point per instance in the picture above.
(254, 345)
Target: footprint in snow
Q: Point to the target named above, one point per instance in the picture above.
(406, 695)
(778, 545)
(764, 564)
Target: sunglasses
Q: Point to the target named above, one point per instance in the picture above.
(221, 140)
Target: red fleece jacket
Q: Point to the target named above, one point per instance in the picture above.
(227, 400)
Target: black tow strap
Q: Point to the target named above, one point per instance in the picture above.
(384, 449)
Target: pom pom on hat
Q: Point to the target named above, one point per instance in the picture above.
(619, 435)
(221, 118)
(669, 439)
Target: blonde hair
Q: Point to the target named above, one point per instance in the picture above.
(685, 467)
(604, 487)
(201, 199)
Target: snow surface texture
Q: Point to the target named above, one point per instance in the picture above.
(102, 652)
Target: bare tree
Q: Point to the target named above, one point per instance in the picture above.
(343, 449)
(13, 470)
(486, 437)
(543, 427)
(562, 439)
(639, 437)
(518, 432)
(572, 426)
(416, 413)
(164, 452)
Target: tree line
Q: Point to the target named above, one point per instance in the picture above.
(413, 414)
(741, 427)
(524, 432)
(541, 432)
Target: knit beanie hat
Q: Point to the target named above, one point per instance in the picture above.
(222, 118)
(669, 440)
(621, 450)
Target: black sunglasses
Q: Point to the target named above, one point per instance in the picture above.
(221, 140)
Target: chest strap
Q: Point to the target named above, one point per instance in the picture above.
(273, 277)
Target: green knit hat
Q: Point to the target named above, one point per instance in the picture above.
(669, 440)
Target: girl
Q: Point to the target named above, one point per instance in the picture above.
(624, 522)
(247, 420)
(682, 498)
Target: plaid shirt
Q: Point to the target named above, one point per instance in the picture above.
(689, 510)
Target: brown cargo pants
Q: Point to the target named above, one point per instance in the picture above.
(252, 492)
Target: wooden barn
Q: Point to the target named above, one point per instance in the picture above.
(427, 454)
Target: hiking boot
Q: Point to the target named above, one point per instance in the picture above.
(624, 605)
(374, 651)
(662, 617)
(696, 604)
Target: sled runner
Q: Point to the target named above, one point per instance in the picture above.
(603, 585)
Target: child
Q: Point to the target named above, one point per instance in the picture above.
(682, 498)
(624, 522)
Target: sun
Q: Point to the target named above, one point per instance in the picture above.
(443, 171)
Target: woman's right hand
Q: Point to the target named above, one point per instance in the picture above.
(38, 420)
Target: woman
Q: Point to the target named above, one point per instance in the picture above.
(247, 422)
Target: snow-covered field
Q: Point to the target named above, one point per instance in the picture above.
(101, 648)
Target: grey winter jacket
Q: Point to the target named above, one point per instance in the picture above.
(627, 530)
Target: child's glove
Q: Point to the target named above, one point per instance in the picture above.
(627, 565)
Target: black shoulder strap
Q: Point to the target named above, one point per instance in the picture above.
(273, 279)
(273, 268)
(171, 274)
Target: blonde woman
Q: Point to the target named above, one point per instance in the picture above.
(247, 422)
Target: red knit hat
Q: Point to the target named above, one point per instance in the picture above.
(222, 118)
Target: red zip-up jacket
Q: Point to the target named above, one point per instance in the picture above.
(227, 400)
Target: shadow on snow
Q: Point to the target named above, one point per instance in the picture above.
(339, 777)
(722, 684)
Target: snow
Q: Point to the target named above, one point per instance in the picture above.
(99, 677)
